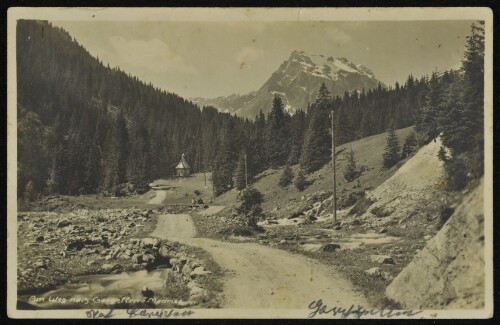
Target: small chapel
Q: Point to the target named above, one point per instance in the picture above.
(182, 169)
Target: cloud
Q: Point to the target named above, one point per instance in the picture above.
(337, 35)
(247, 55)
(151, 55)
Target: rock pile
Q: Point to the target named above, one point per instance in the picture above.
(54, 245)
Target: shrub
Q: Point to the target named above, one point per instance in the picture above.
(351, 171)
(455, 169)
(391, 153)
(456, 174)
(361, 206)
(300, 181)
(410, 145)
(251, 199)
(350, 199)
(175, 288)
(444, 215)
(380, 212)
(286, 177)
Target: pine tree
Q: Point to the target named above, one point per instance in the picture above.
(277, 139)
(239, 173)
(316, 149)
(286, 176)
(121, 147)
(251, 199)
(351, 171)
(427, 118)
(365, 127)
(29, 193)
(298, 124)
(409, 146)
(391, 153)
(343, 129)
(323, 99)
(300, 181)
(224, 164)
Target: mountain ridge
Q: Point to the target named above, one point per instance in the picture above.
(297, 81)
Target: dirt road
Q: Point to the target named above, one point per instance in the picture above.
(263, 277)
(160, 196)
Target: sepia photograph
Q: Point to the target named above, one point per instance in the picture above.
(250, 163)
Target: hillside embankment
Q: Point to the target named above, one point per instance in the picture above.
(449, 271)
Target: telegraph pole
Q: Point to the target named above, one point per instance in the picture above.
(334, 199)
(246, 172)
(213, 187)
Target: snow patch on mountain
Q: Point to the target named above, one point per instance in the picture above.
(328, 67)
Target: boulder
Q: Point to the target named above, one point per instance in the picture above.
(378, 273)
(186, 269)
(164, 251)
(40, 238)
(382, 259)
(91, 263)
(111, 268)
(138, 267)
(63, 223)
(148, 258)
(200, 270)
(77, 244)
(330, 247)
(150, 242)
(40, 265)
(193, 283)
(197, 293)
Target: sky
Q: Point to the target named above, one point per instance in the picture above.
(211, 59)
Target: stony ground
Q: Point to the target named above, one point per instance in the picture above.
(56, 247)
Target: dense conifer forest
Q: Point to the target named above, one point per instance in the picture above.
(84, 127)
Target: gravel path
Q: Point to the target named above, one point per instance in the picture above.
(161, 195)
(263, 277)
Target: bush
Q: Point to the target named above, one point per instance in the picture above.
(300, 181)
(456, 174)
(286, 177)
(350, 199)
(351, 171)
(175, 288)
(455, 169)
(410, 145)
(380, 212)
(444, 215)
(251, 199)
(197, 192)
(361, 206)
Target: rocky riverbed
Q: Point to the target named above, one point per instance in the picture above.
(55, 248)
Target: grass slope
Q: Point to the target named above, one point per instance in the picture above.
(280, 202)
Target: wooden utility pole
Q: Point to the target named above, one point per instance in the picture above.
(334, 199)
(246, 171)
(213, 187)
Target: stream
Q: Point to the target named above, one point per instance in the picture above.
(99, 291)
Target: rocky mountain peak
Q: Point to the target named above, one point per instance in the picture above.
(297, 81)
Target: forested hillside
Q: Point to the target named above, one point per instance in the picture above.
(84, 127)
